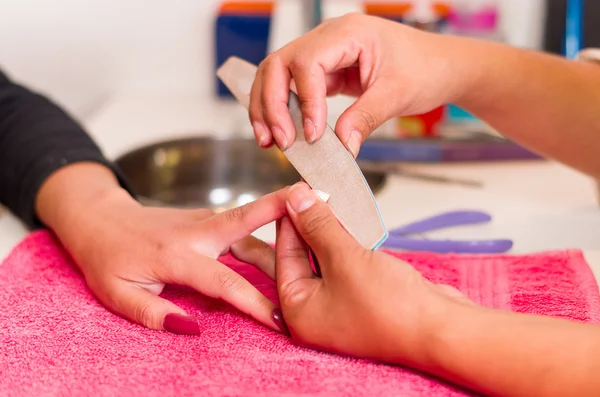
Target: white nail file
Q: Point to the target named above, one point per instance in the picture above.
(325, 165)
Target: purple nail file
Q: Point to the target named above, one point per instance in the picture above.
(325, 165)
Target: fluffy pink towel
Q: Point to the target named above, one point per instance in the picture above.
(56, 339)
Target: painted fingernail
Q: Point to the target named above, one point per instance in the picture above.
(260, 133)
(310, 130)
(281, 138)
(277, 317)
(353, 143)
(180, 324)
(301, 197)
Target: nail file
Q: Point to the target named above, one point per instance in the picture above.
(326, 165)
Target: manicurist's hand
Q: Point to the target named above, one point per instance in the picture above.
(392, 69)
(367, 304)
(128, 252)
(371, 305)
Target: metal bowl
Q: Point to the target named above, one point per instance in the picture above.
(211, 173)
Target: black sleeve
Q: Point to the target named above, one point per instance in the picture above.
(37, 138)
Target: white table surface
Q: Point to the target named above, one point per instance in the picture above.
(540, 205)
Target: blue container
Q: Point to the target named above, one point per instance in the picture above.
(242, 35)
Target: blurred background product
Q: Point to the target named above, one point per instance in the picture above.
(241, 29)
(555, 27)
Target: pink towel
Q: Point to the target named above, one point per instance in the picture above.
(56, 339)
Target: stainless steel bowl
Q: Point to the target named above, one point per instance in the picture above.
(211, 173)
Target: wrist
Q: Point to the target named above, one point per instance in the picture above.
(437, 316)
(465, 62)
(75, 191)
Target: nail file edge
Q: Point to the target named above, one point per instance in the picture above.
(329, 131)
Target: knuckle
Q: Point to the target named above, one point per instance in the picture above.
(314, 225)
(293, 295)
(236, 214)
(227, 281)
(287, 253)
(143, 314)
(300, 63)
(351, 17)
(272, 61)
(368, 119)
(166, 251)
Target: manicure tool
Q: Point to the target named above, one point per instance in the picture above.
(325, 165)
(399, 238)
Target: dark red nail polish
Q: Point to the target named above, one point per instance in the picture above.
(180, 324)
(279, 322)
(315, 264)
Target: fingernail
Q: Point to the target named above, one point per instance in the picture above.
(354, 142)
(260, 133)
(310, 130)
(277, 317)
(322, 195)
(301, 197)
(180, 324)
(282, 139)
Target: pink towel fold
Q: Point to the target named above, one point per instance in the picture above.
(56, 339)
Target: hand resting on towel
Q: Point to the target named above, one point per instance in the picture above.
(128, 252)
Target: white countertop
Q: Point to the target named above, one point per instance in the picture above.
(540, 205)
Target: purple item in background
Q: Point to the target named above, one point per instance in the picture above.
(398, 237)
(485, 20)
(478, 147)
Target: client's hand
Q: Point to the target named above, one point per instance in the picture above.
(128, 252)
(367, 304)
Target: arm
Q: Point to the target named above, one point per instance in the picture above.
(53, 174)
(37, 139)
(544, 102)
(510, 354)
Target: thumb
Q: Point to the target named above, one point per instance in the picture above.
(373, 108)
(317, 224)
(141, 306)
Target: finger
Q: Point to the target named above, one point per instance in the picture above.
(145, 308)
(233, 225)
(369, 111)
(292, 263)
(311, 86)
(202, 213)
(220, 282)
(261, 131)
(274, 96)
(318, 225)
(255, 252)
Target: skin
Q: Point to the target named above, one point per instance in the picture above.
(128, 252)
(371, 305)
(544, 102)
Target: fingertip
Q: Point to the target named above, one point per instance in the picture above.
(350, 136)
(277, 318)
(181, 324)
(354, 142)
(300, 197)
(263, 137)
(280, 137)
(310, 130)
